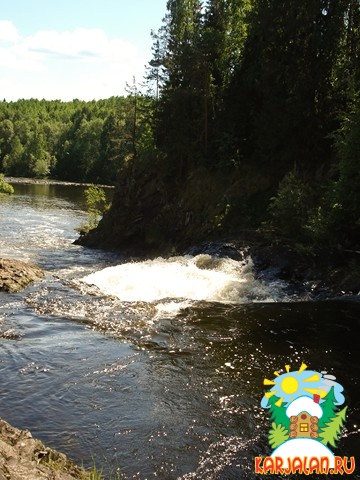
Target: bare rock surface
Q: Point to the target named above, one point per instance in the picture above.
(16, 275)
(24, 458)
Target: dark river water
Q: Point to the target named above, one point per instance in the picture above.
(156, 371)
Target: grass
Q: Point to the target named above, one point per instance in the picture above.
(97, 474)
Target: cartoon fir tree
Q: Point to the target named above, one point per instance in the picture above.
(332, 429)
(279, 432)
(278, 412)
(329, 408)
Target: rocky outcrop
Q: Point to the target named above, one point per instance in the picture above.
(16, 275)
(24, 458)
(134, 222)
(153, 214)
(323, 274)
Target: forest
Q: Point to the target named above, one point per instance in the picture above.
(74, 141)
(248, 118)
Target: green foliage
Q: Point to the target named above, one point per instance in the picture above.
(75, 141)
(278, 413)
(4, 186)
(245, 89)
(329, 408)
(237, 96)
(345, 206)
(221, 217)
(96, 205)
(97, 474)
(284, 83)
(289, 209)
(280, 425)
(332, 429)
(277, 435)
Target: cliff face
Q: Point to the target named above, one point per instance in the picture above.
(155, 214)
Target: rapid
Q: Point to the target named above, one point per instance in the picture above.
(155, 368)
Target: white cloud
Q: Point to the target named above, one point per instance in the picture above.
(8, 31)
(84, 63)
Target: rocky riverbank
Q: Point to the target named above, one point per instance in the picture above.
(24, 458)
(15, 275)
(322, 273)
(48, 181)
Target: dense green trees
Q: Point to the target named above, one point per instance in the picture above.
(250, 117)
(77, 141)
(263, 95)
(195, 54)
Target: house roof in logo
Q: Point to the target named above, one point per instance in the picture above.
(304, 404)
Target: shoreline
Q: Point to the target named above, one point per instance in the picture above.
(23, 457)
(50, 181)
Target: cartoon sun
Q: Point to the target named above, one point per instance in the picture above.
(291, 385)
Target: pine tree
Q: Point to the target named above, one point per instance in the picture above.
(282, 99)
(328, 407)
(332, 429)
(225, 28)
(177, 55)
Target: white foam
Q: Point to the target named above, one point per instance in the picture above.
(193, 278)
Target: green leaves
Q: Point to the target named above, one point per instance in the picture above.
(75, 141)
(4, 186)
(290, 207)
(277, 435)
(96, 204)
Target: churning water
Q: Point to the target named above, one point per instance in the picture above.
(202, 277)
(153, 368)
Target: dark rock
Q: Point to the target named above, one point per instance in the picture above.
(322, 273)
(152, 214)
(219, 249)
(16, 275)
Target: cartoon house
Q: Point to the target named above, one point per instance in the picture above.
(304, 414)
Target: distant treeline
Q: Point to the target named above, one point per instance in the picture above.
(77, 141)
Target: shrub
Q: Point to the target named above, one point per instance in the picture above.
(4, 186)
(289, 209)
(96, 205)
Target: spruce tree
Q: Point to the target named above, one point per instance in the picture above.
(332, 429)
(329, 408)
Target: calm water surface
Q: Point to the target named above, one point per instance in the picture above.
(157, 371)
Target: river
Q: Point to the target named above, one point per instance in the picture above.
(154, 369)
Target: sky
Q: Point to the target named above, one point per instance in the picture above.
(67, 49)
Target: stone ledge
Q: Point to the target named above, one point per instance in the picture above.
(15, 275)
(24, 458)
